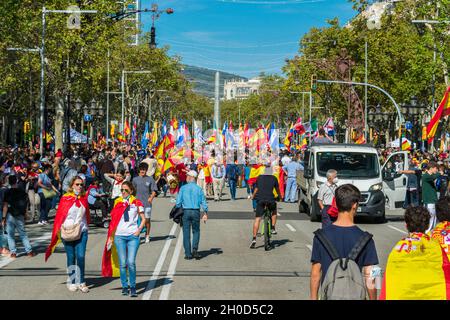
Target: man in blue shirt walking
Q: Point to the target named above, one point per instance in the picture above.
(291, 184)
(191, 198)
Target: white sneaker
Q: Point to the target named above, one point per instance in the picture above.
(83, 288)
(147, 239)
(44, 223)
(40, 223)
(73, 287)
(249, 197)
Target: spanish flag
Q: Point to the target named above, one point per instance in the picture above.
(168, 164)
(278, 172)
(66, 202)
(287, 140)
(110, 259)
(417, 269)
(255, 172)
(361, 139)
(113, 129)
(406, 144)
(127, 130)
(442, 111)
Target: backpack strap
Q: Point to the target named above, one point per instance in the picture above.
(327, 244)
(359, 246)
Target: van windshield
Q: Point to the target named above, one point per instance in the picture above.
(348, 164)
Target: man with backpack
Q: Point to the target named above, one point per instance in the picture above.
(342, 254)
(14, 209)
(232, 175)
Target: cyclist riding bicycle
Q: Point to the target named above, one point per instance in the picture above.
(266, 184)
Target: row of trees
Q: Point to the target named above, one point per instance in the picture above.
(400, 56)
(400, 60)
(76, 64)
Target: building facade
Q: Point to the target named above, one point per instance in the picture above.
(241, 89)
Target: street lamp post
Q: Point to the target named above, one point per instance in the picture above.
(412, 111)
(42, 51)
(122, 83)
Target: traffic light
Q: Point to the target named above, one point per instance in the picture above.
(313, 83)
(153, 37)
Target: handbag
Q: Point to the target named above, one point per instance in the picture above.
(48, 194)
(73, 232)
(333, 210)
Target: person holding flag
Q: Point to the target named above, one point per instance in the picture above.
(71, 227)
(122, 242)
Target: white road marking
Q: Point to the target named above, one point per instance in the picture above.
(397, 229)
(44, 238)
(172, 269)
(151, 284)
(290, 227)
(309, 247)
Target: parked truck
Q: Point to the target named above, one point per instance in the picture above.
(382, 186)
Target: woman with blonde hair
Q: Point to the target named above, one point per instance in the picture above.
(71, 227)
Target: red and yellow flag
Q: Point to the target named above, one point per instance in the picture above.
(417, 269)
(127, 130)
(66, 202)
(361, 139)
(110, 259)
(442, 111)
(255, 172)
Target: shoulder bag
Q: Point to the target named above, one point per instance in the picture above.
(73, 232)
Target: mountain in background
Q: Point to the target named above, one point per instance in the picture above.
(203, 80)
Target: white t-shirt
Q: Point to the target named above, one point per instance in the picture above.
(130, 227)
(74, 216)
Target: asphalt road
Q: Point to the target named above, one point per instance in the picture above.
(227, 270)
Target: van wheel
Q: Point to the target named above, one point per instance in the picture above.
(380, 220)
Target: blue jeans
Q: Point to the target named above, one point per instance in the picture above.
(233, 186)
(13, 223)
(76, 252)
(45, 207)
(248, 188)
(326, 218)
(412, 198)
(291, 190)
(191, 219)
(127, 248)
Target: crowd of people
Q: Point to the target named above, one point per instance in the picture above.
(122, 182)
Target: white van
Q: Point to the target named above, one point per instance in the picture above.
(359, 165)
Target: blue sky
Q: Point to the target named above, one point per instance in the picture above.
(243, 37)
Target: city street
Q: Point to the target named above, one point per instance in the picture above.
(228, 269)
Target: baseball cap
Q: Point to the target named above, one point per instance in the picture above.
(192, 173)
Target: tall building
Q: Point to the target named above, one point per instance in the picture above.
(241, 89)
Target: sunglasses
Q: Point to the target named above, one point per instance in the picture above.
(125, 190)
(78, 184)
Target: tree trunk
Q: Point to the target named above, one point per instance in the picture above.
(59, 120)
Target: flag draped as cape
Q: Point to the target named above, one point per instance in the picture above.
(65, 204)
(417, 269)
(110, 259)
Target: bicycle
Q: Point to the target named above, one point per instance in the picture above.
(266, 228)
